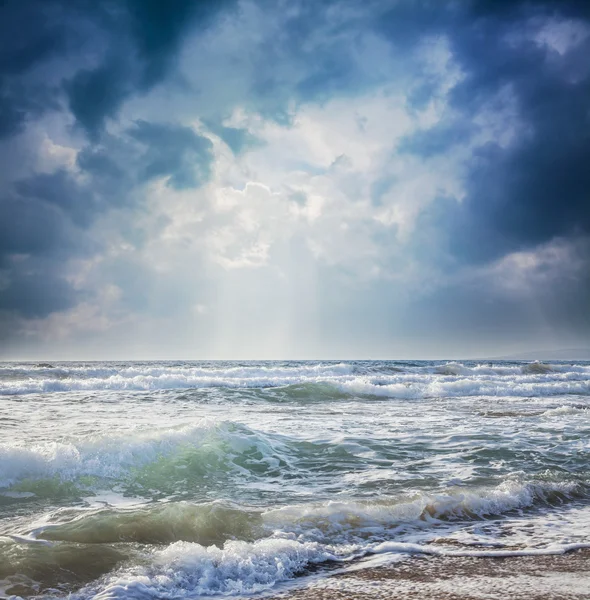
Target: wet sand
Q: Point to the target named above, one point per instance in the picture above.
(561, 577)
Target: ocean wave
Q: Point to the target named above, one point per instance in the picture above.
(207, 524)
(329, 522)
(532, 368)
(537, 367)
(29, 568)
(507, 369)
(337, 520)
(160, 457)
(466, 387)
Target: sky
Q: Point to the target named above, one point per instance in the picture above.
(241, 179)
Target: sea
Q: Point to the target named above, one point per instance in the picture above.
(188, 479)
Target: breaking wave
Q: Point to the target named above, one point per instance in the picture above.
(153, 458)
(336, 522)
(466, 386)
(537, 368)
(302, 381)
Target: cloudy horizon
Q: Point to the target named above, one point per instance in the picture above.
(262, 179)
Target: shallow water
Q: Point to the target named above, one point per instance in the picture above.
(178, 479)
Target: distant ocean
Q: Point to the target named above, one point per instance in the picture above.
(187, 479)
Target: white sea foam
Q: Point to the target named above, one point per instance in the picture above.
(567, 410)
(187, 569)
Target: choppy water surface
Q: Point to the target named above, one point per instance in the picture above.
(186, 479)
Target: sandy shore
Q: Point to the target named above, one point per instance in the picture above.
(562, 577)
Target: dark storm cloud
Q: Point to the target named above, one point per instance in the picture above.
(95, 94)
(157, 28)
(42, 224)
(30, 34)
(89, 58)
(538, 188)
(44, 218)
(145, 36)
(516, 8)
(511, 302)
(522, 196)
(137, 39)
(29, 225)
(60, 190)
(36, 237)
(174, 151)
(37, 288)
